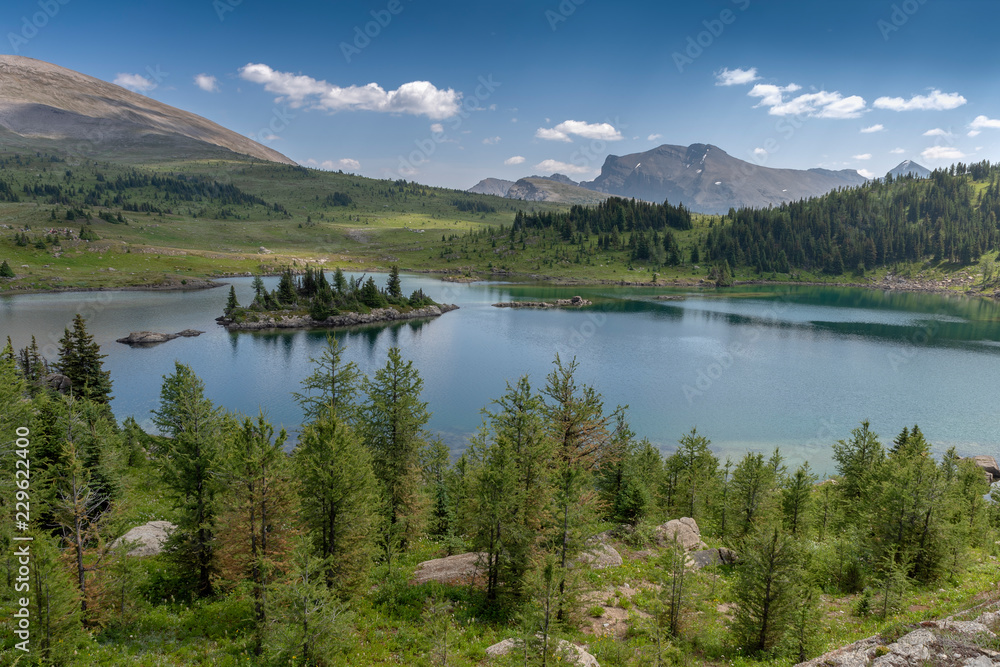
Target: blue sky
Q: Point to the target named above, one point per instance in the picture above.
(447, 93)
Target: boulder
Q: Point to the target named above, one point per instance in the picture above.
(149, 537)
(600, 555)
(706, 557)
(684, 530)
(57, 381)
(989, 466)
(565, 649)
(944, 642)
(462, 569)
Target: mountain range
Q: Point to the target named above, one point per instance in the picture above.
(703, 177)
(44, 106)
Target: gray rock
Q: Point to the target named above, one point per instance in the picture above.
(684, 530)
(57, 381)
(707, 557)
(600, 556)
(989, 466)
(149, 538)
(568, 650)
(462, 569)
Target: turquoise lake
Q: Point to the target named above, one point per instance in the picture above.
(752, 368)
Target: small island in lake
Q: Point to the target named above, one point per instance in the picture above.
(574, 302)
(308, 300)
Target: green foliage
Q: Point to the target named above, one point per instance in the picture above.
(6, 271)
(193, 426)
(80, 360)
(765, 590)
(331, 388)
(339, 501)
(391, 423)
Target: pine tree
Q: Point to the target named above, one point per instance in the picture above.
(765, 590)
(311, 627)
(332, 386)
(258, 289)
(80, 360)
(190, 462)
(339, 501)
(797, 498)
(256, 520)
(6, 271)
(231, 302)
(391, 423)
(393, 285)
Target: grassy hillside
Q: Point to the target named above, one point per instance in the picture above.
(212, 217)
(173, 224)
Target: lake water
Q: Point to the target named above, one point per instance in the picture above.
(751, 368)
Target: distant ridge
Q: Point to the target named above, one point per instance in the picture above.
(492, 186)
(706, 179)
(909, 167)
(47, 106)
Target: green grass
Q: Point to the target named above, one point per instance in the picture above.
(418, 227)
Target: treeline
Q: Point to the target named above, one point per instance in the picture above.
(625, 215)
(311, 291)
(300, 535)
(950, 216)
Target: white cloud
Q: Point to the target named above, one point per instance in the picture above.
(937, 132)
(983, 122)
(270, 137)
(562, 131)
(897, 151)
(934, 101)
(517, 159)
(489, 141)
(974, 133)
(654, 137)
(553, 166)
(349, 163)
(437, 128)
(207, 82)
(942, 153)
(770, 94)
(863, 156)
(866, 173)
(419, 98)
(878, 127)
(735, 77)
(759, 151)
(134, 82)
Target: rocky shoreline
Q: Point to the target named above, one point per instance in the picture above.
(376, 316)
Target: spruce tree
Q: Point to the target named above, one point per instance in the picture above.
(231, 302)
(765, 590)
(193, 425)
(391, 424)
(332, 386)
(80, 360)
(256, 518)
(6, 271)
(339, 501)
(392, 287)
